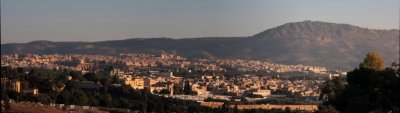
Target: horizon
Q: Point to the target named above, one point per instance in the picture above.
(91, 21)
(198, 37)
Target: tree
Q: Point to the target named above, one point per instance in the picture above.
(80, 97)
(107, 96)
(236, 109)
(43, 98)
(251, 95)
(76, 75)
(145, 100)
(165, 91)
(287, 110)
(368, 88)
(91, 77)
(187, 88)
(7, 105)
(108, 70)
(330, 91)
(108, 100)
(76, 97)
(373, 61)
(328, 109)
(225, 108)
(194, 109)
(46, 86)
(72, 85)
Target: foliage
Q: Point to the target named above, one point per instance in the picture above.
(43, 98)
(187, 88)
(373, 61)
(368, 88)
(164, 91)
(328, 109)
(251, 95)
(107, 96)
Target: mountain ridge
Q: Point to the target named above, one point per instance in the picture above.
(306, 42)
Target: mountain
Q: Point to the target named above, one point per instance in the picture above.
(336, 46)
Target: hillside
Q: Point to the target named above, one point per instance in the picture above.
(337, 46)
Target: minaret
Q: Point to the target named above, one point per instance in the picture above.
(171, 89)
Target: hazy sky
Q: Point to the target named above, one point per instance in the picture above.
(97, 20)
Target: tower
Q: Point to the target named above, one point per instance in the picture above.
(16, 86)
(171, 89)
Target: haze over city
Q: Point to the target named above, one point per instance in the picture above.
(98, 20)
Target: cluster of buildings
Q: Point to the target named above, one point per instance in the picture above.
(251, 65)
(223, 88)
(15, 85)
(163, 73)
(130, 63)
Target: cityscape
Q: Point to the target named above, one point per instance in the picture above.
(98, 56)
(168, 75)
(206, 78)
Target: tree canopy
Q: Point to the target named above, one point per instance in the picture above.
(373, 61)
(369, 88)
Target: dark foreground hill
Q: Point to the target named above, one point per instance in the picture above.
(337, 46)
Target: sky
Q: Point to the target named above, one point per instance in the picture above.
(98, 20)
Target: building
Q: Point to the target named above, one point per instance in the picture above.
(34, 91)
(162, 86)
(149, 82)
(16, 86)
(263, 92)
(135, 83)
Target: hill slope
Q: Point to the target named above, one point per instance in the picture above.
(337, 46)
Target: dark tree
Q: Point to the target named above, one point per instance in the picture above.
(327, 109)
(44, 99)
(91, 77)
(368, 88)
(76, 75)
(164, 91)
(236, 109)
(187, 88)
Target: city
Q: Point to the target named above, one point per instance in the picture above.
(207, 78)
(202, 56)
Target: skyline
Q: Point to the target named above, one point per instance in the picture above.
(25, 21)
